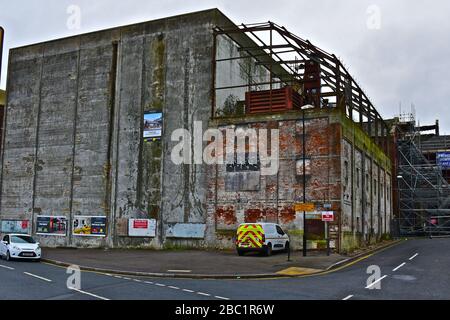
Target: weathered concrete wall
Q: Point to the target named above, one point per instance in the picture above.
(73, 143)
(74, 131)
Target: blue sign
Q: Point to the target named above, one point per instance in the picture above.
(443, 159)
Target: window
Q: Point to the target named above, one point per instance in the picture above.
(357, 177)
(280, 231)
(22, 239)
(346, 172)
(6, 239)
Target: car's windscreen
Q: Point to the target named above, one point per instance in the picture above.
(22, 239)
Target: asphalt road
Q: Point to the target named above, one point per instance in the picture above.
(414, 269)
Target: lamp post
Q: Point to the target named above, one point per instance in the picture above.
(305, 240)
(399, 177)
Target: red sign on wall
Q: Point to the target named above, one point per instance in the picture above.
(140, 224)
(25, 224)
(328, 216)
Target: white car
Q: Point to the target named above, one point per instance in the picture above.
(19, 246)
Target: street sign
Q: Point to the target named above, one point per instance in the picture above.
(328, 216)
(313, 216)
(306, 207)
(328, 206)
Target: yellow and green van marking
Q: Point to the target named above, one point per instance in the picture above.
(250, 236)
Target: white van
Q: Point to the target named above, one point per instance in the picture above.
(261, 237)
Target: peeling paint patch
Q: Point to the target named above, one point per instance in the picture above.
(287, 215)
(227, 215)
(253, 216)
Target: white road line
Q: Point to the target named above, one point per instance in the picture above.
(162, 286)
(180, 271)
(413, 257)
(89, 294)
(203, 294)
(348, 298)
(187, 290)
(38, 277)
(400, 266)
(9, 268)
(370, 286)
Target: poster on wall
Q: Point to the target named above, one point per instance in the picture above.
(142, 228)
(89, 226)
(15, 226)
(153, 123)
(443, 160)
(47, 225)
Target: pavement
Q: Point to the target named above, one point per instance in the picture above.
(415, 269)
(198, 264)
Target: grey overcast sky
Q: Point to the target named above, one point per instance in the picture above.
(397, 50)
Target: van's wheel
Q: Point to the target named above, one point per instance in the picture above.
(8, 256)
(268, 252)
(240, 253)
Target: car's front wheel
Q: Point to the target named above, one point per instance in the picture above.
(8, 256)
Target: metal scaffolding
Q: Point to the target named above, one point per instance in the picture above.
(291, 61)
(424, 194)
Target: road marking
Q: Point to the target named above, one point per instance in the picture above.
(400, 266)
(187, 290)
(89, 294)
(370, 286)
(413, 257)
(163, 286)
(348, 298)
(203, 294)
(38, 277)
(9, 268)
(180, 271)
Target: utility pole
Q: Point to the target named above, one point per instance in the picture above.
(305, 240)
